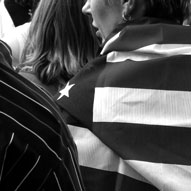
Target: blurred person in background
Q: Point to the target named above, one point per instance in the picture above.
(20, 10)
(60, 42)
(6, 22)
(16, 37)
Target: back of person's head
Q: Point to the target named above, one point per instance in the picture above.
(167, 9)
(60, 40)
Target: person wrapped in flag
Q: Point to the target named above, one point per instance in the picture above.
(129, 110)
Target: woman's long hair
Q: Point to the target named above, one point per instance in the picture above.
(60, 41)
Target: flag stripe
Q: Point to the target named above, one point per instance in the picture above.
(93, 163)
(100, 180)
(160, 144)
(172, 73)
(92, 159)
(164, 176)
(138, 36)
(150, 52)
(91, 155)
(142, 106)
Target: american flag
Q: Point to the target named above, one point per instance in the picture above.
(129, 111)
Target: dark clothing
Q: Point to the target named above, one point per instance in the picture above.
(52, 89)
(19, 14)
(36, 148)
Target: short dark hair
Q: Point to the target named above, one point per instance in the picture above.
(168, 9)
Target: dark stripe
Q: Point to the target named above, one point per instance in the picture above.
(138, 36)
(172, 73)
(95, 180)
(160, 144)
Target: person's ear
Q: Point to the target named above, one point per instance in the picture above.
(127, 9)
(187, 19)
(133, 9)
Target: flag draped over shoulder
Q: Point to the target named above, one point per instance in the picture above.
(129, 111)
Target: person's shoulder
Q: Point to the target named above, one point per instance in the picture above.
(32, 77)
(5, 54)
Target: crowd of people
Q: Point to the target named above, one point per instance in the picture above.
(95, 95)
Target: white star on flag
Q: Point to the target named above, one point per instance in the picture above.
(65, 91)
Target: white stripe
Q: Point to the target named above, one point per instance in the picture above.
(28, 173)
(111, 40)
(94, 154)
(142, 106)
(150, 52)
(166, 177)
(4, 158)
(57, 181)
(51, 150)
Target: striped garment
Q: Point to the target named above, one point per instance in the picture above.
(129, 111)
(37, 152)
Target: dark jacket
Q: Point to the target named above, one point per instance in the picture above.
(36, 148)
(19, 14)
